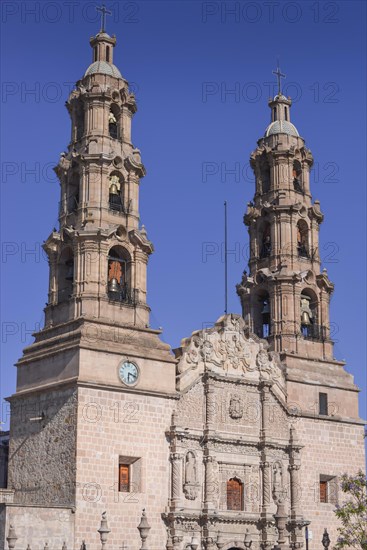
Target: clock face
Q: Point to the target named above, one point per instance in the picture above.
(128, 373)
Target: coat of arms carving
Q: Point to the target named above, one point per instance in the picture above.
(235, 407)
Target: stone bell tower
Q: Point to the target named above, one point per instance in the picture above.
(285, 297)
(94, 390)
(285, 300)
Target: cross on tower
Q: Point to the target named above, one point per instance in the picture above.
(279, 76)
(104, 11)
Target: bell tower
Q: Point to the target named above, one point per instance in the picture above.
(98, 258)
(96, 366)
(285, 297)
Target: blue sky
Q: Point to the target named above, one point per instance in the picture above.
(201, 72)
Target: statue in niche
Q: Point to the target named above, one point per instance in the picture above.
(191, 485)
(278, 493)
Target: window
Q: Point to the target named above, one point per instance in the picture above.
(124, 478)
(95, 53)
(107, 54)
(113, 118)
(328, 489)
(129, 474)
(234, 494)
(297, 176)
(323, 491)
(265, 245)
(285, 113)
(302, 239)
(323, 405)
(115, 193)
(65, 275)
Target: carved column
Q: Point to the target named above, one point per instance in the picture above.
(52, 262)
(265, 411)
(293, 470)
(210, 482)
(294, 466)
(211, 405)
(176, 491)
(266, 486)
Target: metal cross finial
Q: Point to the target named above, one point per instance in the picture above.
(279, 76)
(104, 11)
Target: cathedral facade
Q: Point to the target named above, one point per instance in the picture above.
(236, 439)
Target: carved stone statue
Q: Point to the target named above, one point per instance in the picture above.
(191, 485)
(278, 495)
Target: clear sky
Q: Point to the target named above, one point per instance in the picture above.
(202, 74)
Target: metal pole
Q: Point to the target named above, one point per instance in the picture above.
(225, 260)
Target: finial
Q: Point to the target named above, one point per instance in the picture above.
(103, 530)
(279, 76)
(144, 529)
(104, 11)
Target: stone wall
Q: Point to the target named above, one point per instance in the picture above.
(42, 452)
(330, 448)
(113, 424)
(36, 525)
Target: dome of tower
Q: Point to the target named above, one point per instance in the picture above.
(102, 67)
(281, 127)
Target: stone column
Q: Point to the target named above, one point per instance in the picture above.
(210, 487)
(265, 411)
(293, 470)
(266, 488)
(176, 491)
(211, 405)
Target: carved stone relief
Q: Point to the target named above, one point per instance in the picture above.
(235, 407)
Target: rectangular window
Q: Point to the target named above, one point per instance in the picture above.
(323, 405)
(124, 478)
(130, 474)
(328, 489)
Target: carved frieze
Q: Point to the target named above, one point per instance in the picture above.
(227, 349)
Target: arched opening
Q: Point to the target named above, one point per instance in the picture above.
(265, 177)
(265, 241)
(65, 275)
(285, 113)
(262, 315)
(302, 239)
(73, 194)
(274, 114)
(234, 494)
(95, 53)
(107, 54)
(309, 316)
(116, 202)
(297, 176)
(113, 119)
(118, 276)
(79, 123)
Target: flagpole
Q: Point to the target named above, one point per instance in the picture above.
(225, 260)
